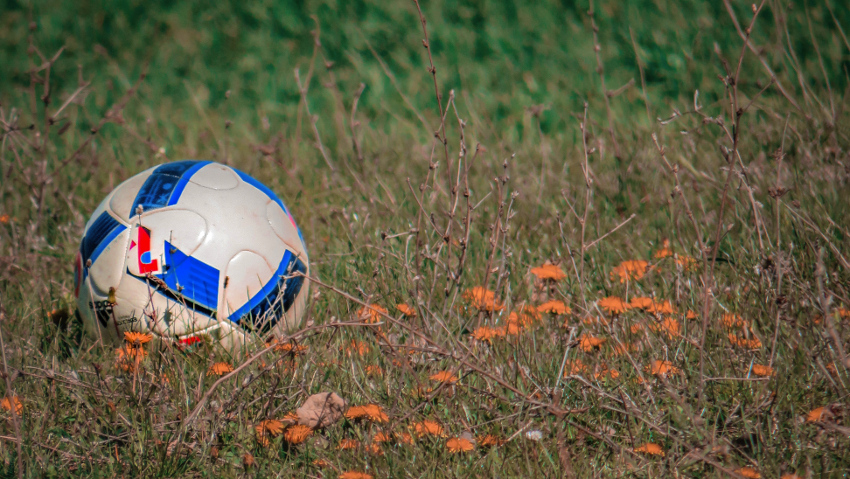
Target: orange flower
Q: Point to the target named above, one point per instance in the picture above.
(444, 377)
(604, 371)
(136, 339)
(762, 371)
(687, 263)
(661, 308)
(406, 310)
(427, 428)
(482, 299)
(650, 448)
(372, 412)
(347, 444)
(290, 418)
(219, 369)
(588, 343)
(459, 444)
(817, 415)
(8, 402)
(831, 368)
(842, 313)
(321, 463)
(669, 326)
(297, 434)
(591, 320)
(405, 438)
(629, 270)
(662, 253)
(690, 315)
(374, 370)
(745, 343)
(355, 475)
(382, 437)
(269, 426)
(371, 313)
(574, 367)
(749, 473)
(357, 347)
(636, 328)
(4, 219)
(554, 307)
(490, 440)
(732, 321)
(294, 349)
(486, 333)
(641, 302)
(613, 304)
(549, 271)
(662, 368)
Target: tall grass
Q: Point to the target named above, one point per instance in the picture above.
(418, 174)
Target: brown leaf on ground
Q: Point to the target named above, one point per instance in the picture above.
(321, 410)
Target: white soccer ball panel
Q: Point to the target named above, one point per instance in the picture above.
(123, 196)
(216, 177)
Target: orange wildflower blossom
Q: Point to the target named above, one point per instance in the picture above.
(489, 440)
(690, 315)
(482, 299)
(762, 371)
(355, 475)
(651, 449)
(749, 473)
(357, 347)
(271, 427)
(374, 370)
(731, 321)
(574, 367)
(588, 343)
(372, 412)
(604, 372)
(219, 369)
(321, 463)
(549, 272)
(405, 438)
(630, 270)
(10, 402)
(371, 313)
(641, 302)
(745, 343)
(406, 310)
(290, 418)
(554, 307)
(135, 339)
(444, 377)
(613, 305)
(459, 444)
(818, 414)
(591, 320)
(294, 349)
(668, 326)
(347, 444)
(662, 368)
(427, 428)
(661, 308)
(664, 251)
(4, 219)
(297, 434)
(382, 437)
(687, 263)
(486, 333)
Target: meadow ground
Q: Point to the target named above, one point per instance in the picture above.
(553, 240)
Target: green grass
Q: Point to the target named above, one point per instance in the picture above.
(221, 84)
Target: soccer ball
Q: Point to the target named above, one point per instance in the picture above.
(191, 250)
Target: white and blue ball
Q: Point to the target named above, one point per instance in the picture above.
(191, 250)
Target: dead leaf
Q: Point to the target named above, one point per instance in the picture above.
(321, 410)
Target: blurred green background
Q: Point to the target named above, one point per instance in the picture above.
(501, 57)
